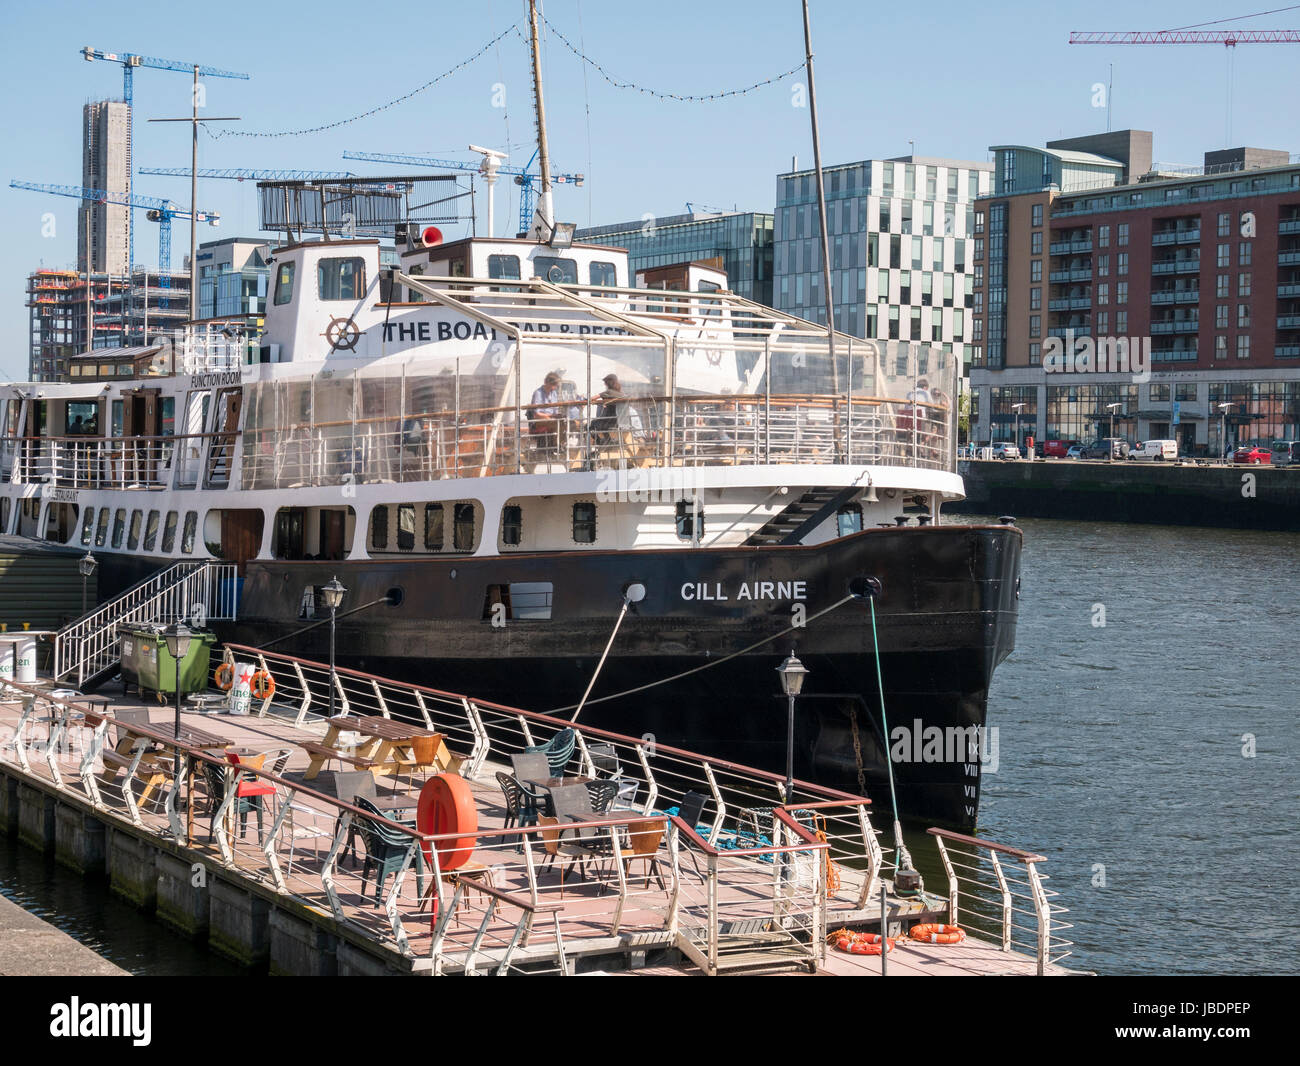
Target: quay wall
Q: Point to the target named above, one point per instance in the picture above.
(1226, 497)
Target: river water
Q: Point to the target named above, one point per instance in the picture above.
(1154, 759)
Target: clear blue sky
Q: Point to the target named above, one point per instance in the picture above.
(954, 78)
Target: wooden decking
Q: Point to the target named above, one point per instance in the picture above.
(598, 921)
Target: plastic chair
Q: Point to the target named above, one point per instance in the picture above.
(347, 787)
(602, 794)
(248, 793)
(386, 851)
(558, 750)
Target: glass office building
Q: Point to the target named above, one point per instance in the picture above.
(742, 240)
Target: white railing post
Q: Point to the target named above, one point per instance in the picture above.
(952, 880)
(1044, 914)
(1006, 899)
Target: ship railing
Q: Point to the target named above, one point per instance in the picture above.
(196, 592)
(1000, 894)
(580, 435)
(123, 462)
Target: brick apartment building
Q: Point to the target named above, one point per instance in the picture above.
(1082, 244)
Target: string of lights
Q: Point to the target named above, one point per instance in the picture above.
(659, 94)
(229, 132)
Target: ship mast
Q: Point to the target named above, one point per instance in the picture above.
(544, 216)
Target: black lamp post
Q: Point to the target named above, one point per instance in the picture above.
(792, 673)
(1111, 408)
(87, 567)
(331, 596)
(177, 635)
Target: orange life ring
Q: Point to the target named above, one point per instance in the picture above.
(861, 943)
(263, 685)
(224, 678)
(938, 934)
(447, 806)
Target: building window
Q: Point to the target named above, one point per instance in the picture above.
(1121, 322)
(1121, 292)
(1103, 294)
(1243, 316)
(1225, 223)
(1035, 355)
(1035, 325)
(433, 527)
(1035, 299)
(1103, 236)
(1221, 316)
(584, 523)
(1159, 393)
(1121, 263)
(1036, 243)
(1243, 253)
(979, 228)
(341, 279)
(1243, 346)
(1103, 266)
(1036, 215)
(1103, 323)
(1036, 271)
(462, 529)
(379, 529)
(1221, 286)
(1243, 284)
(1224, 255)
(687, 510)
(1220, 347)
(1185, 393)
(1121, 233)
(284, 284)
(512, 524)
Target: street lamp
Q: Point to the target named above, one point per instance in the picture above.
(1111, 408)
(177, 635)
(1223, 427)
(1016, 407)
(331, 596)
(792, 673)
(87, 567)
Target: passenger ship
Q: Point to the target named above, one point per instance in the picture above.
(738, 493)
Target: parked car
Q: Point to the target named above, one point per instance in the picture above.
(1006, 450)
(1286, 452)
(1253, 455)
(1074, 451)
(1057, 449)
(1156, 450)
(1107, 448)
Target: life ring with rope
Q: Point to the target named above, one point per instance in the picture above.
(860, 943)
(224, 678)
(931, 933)
(262, 685)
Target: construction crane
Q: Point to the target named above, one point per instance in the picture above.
(238, 174)
(1191, 35)
(525, 180)
(129, 62)
(160, 211)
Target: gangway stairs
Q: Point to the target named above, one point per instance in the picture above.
(195, 592)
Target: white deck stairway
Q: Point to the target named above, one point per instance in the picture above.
(195, 592)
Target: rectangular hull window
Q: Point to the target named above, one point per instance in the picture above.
(463, 531)
(169, 532)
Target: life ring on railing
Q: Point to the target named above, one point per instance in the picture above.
(938, 934)
(224, 678)
(262, 685)
(447, 806)
(860, 943)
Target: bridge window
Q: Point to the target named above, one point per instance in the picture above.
(555, 270)
(503, 266)
(379, 529)
(341, 279)
(169, 532)
(512, 524)
(133, 538)
(101, 529)
(119, 526)
(603, 274)
(849, 519)
(687, 512)
(406, 527)
(284, 284)
(191, 527)
(151, 531)
(584, 523)
(462, 533)
(87, 523)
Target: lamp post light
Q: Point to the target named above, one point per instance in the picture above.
(1223, 427)
(87, 567)
(177, 635)
(1110, 454)
(792, 673)
(331, 596)
(1017, 408)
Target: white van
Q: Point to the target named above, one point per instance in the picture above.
(1157, 450)
(1286, 452)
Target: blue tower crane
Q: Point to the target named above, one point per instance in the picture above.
(129, 62)
(160, 211)
(524, 179)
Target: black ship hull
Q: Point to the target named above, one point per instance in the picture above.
(946, 616)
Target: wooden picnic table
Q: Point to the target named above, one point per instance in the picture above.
(387, 747)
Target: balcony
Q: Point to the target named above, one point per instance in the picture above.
(1289, 258)
(1289, 225)
(1062, 276)
(1288, 290)
(1066, 332)
(1177, 236)
(1176, 296)
(1181, 266)
(1287, 351)
(1070, 247)
(1072, 303)
(1181, 325)
(1288, 321)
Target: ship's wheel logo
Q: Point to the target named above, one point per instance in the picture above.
(342, 333)
(714, 357)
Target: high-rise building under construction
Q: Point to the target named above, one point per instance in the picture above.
(105, 164)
